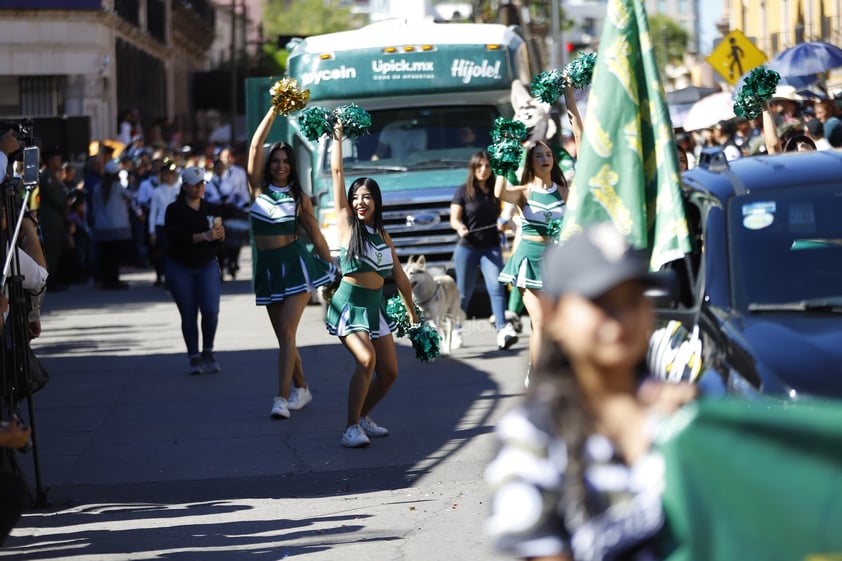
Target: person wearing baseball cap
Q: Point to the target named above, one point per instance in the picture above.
(194, 232)
(587, 415)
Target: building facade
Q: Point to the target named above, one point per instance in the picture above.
(98, 58)
(776, 25)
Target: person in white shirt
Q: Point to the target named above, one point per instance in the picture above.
(163, 195)
(216, 185)
(236, 185)
(814, 129)
(400, 138)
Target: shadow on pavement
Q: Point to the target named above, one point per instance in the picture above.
(137, 456)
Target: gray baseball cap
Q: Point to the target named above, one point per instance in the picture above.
(593, 262)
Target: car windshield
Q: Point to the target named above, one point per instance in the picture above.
(785, 248)
(418, 138)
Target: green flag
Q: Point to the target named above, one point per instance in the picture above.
(627, 170)
(754, 480)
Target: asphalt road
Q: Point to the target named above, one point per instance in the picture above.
(139, 460)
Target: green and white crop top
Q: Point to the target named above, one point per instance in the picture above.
(542, 207)
(273, 212)
(377, 256)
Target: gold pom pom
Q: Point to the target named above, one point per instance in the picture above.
(287, 98)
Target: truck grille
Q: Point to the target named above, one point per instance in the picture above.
(422, 227)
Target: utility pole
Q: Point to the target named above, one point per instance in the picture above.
(233, 71)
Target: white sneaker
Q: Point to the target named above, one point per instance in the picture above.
(354, 437)
(280, 408)
(372, 429)
(299, 397)
(506, 337)
(456, 338)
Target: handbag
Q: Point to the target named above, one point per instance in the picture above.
(38, 377)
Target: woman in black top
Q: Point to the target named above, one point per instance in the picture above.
(194, 234)
(473, 214)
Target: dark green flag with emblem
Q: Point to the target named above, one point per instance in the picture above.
(627, 170)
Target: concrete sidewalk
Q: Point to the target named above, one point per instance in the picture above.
(140, 460)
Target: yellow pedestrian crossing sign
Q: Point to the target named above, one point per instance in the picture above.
(734, 56)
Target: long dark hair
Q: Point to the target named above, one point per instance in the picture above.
(294, 183)
(471, 185)
(555, 173)
(555, 389)
(359, 236)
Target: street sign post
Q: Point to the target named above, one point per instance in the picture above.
(734, 56)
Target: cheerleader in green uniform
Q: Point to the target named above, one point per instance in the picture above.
(357, 310)
(285, 271)
(541, 200)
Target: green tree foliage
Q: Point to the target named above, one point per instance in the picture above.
(669, 40)
(300, 18)
(306, 17)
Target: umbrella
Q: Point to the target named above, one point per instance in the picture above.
(814, 57)
(680, 101)
(709, 110)
(690, 94)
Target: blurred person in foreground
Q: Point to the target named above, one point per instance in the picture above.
(575, 477)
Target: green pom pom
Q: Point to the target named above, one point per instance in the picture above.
(426, 341)
(355, 120)
(554, 229)
(579, 72)
(758, 88)
(505, 156)
(316, 121)
(507, 129)
(548, 86)
(396, 310)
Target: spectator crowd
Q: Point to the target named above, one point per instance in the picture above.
(107, 213)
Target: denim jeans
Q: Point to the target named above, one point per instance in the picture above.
(195, 289)
(468, 261)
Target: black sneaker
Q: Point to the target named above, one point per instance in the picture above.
(209, 363)
(196, 365)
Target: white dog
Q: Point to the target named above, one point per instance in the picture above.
(438, 298)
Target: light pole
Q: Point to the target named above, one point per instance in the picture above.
(233, 71)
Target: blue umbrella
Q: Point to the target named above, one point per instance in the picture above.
(807, 58)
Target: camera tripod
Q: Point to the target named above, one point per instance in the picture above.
(16, 377)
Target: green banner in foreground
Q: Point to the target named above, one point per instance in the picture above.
(755, 481)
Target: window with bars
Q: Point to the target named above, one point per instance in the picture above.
(41, 95)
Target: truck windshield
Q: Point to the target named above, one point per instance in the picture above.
(418, 138)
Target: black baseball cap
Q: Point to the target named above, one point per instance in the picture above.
(593, 262)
